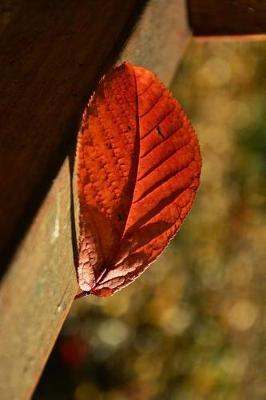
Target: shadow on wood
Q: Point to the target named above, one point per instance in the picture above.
(227, 17)
(51, 56)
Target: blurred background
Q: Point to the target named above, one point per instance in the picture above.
(193, 326)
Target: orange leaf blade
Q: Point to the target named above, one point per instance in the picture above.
(138, 172)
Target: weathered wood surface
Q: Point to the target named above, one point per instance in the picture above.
(51, 54)
(37, 293)
(160, 38)
(39, 287)
(227, 17)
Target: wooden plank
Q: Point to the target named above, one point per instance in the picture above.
(51, 54)
(40, 285)
(37, 293)
(160, 38)
(227, 17)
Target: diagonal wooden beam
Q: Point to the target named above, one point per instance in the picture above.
(40, 284)
(51, 55)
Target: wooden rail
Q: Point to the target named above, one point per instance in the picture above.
(52, 54)
(227, 17)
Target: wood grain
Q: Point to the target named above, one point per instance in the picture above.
(40, 284)
(37, 293)
(159, 39)
(227, 17)
(51, 55)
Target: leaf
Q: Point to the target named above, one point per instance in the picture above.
(138, 168)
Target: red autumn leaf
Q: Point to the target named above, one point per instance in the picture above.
(138, 168)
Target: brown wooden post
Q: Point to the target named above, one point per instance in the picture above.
(51, 58)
